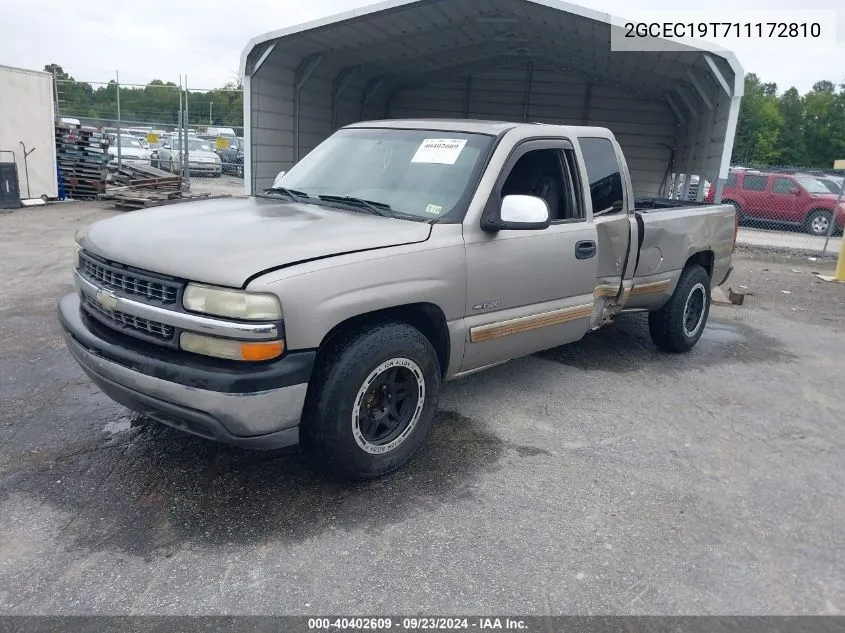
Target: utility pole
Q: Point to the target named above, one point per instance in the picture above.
(117, 88)
(210, 105)
(187, 163)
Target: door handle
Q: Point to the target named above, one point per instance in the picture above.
(585, 249)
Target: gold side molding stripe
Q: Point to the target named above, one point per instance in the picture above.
(606, 290)
(654, 286)
(490, 331)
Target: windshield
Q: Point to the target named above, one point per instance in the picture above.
(194, 144)
(811, 184)
(831, 185)
(424, 173)
(130, 141)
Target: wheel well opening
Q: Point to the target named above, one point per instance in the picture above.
(426, 317)
(816, 210)
(703, 259)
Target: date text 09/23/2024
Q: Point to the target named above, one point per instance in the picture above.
(416, 623)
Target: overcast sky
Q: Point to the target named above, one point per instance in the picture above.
(159, 39)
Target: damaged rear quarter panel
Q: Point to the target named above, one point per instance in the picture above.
(671, 237)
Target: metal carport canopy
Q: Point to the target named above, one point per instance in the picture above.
(512, 60)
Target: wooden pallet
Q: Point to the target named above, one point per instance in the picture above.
(138, 200)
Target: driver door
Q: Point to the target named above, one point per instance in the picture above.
(529, 290)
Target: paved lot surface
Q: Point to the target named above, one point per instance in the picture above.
(603, 477)
(225, 185)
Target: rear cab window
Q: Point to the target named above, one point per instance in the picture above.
(604, 175)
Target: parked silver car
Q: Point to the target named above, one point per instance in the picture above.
(202, 159)
(131, 151)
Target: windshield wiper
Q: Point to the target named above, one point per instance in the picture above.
(293, 194)
(378, 208)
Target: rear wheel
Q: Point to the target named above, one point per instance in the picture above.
(372, 401)
(818, 222)
(677, 326)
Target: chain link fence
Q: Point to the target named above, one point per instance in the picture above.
(195, 133)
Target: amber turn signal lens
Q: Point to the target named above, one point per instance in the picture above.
(262, 351)
(230, 348)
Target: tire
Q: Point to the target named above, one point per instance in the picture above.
(353, 412)
(677, 326)
(818, 222)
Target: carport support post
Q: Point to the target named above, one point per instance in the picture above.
(370, 90)
(302, 75)
(588, 97)
(340, 83)
(467, 94)
(529, 79)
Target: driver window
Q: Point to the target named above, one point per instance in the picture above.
(540, 173)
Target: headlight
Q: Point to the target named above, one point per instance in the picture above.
(230, 349)
(76, 261)
(235, 304)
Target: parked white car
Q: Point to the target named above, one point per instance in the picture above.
(132, 152)
(202, 159)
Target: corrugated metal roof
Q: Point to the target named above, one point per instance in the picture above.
(405, 39)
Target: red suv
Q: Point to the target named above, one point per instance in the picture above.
(783, 198)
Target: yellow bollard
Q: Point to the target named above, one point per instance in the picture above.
(839, 275)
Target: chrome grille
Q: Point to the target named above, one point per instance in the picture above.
(130, 282)
(122, 320)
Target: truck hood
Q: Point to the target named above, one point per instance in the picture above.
(227, 241)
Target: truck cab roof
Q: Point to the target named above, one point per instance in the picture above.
(492, 128)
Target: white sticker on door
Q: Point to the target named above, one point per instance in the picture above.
(444, 151)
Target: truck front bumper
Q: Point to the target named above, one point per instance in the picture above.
(256, 407)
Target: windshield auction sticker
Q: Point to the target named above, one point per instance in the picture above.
(443, 151)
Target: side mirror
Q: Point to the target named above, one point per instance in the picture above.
(277, 182)
(518, 212)
(795, 191)
(165, 146)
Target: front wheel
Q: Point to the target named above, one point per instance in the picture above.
(372, 401)
(677, 326)
(818, 222)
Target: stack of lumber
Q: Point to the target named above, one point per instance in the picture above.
(82, 157)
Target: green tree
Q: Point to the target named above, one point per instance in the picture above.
(760, 123)
(792, 149)
(824, 132)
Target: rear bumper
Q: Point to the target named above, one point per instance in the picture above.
(235, 408)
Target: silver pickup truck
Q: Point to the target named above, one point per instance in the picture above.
(395, 256)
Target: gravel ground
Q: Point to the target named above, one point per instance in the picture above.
(600, 478)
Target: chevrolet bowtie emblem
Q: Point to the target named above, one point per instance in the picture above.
(106, 299)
